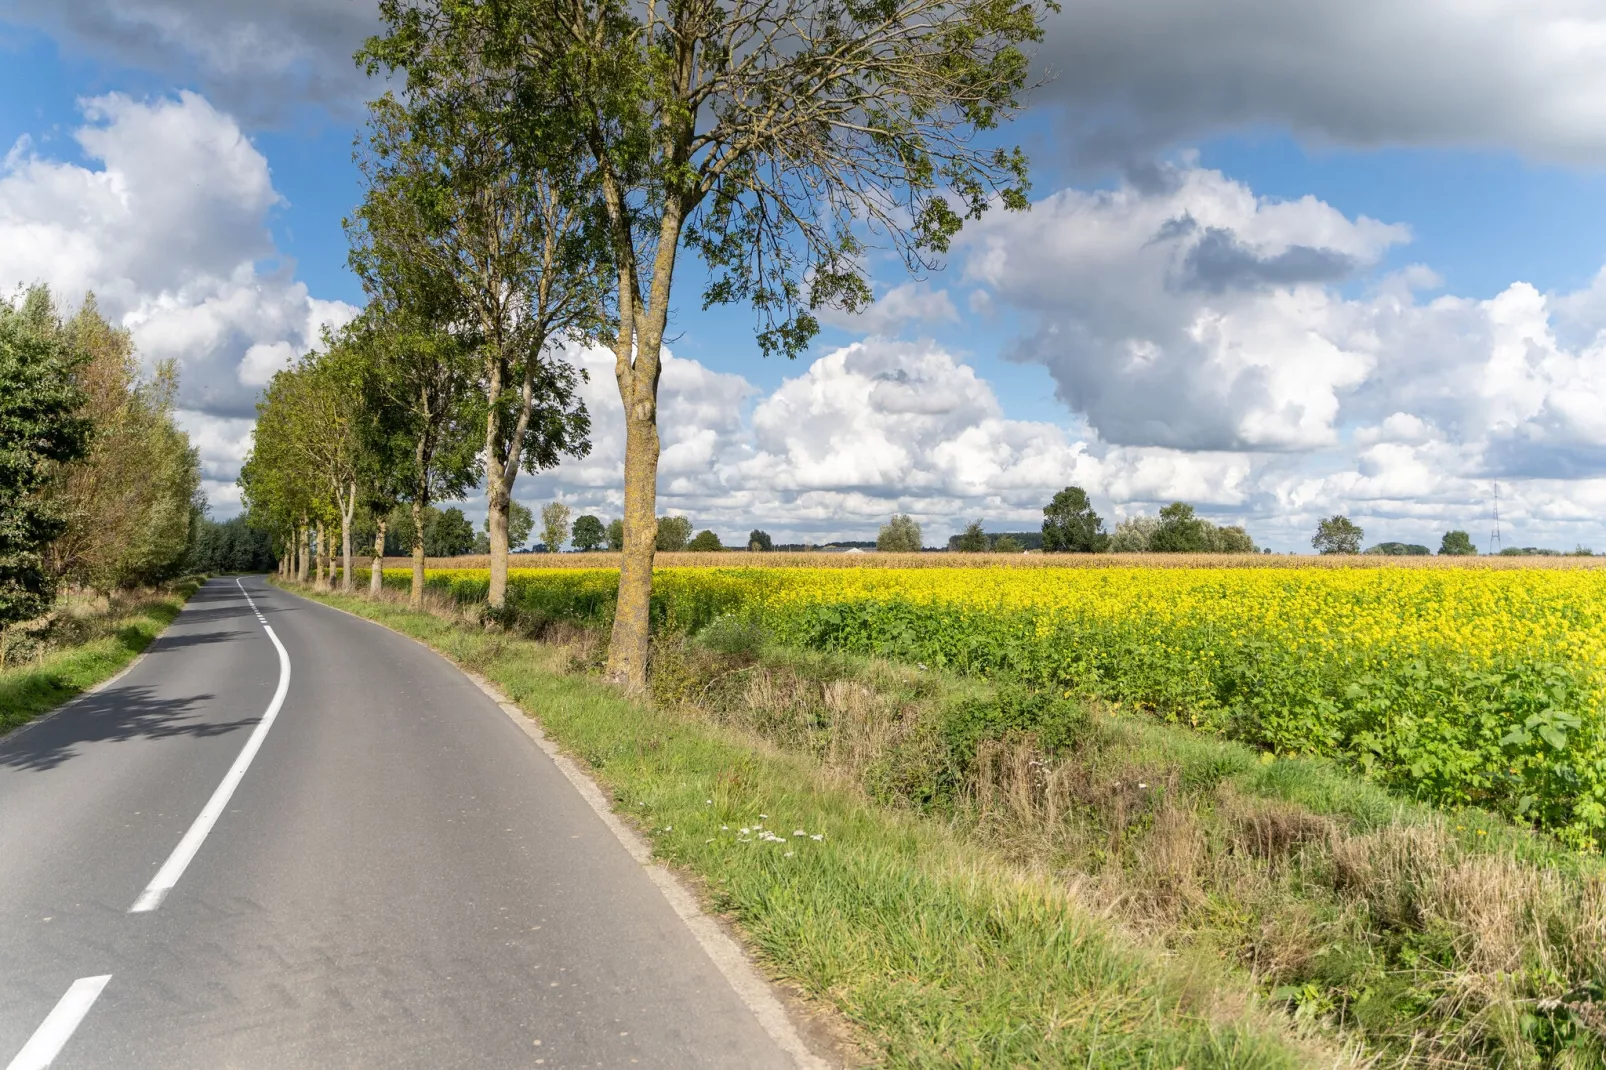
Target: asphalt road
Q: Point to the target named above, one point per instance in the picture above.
(399, 878)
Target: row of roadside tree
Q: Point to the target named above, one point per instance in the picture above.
(532, 179)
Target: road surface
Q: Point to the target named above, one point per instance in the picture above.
(398, 876)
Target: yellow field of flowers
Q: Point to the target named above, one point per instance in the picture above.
(1482, 686)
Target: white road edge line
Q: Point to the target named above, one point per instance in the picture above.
(728, 956)
(58, 1026)
(174, 867)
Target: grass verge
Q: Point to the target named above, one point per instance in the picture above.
(936, 953)
(85, 640)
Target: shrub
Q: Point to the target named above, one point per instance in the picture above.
(674, 532)
(900, 535)
(705, 541)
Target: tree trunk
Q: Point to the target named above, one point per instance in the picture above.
(628, 647)
(495, 481)
(304, 552)
(630, 643)
(416, 599)
(322, 581)
(496, 521)
(376, 577)
(346, 516)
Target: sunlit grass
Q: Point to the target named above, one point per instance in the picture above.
(937, 956)
(86, 640)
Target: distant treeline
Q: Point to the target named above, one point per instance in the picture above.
(230, 546)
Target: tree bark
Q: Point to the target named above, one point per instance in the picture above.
(346, 516)
(496, 489)
(496, 522)
(376, 576)
(416, 599)
(630, 644)
(304, 552)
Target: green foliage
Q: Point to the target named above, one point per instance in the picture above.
(1232, 539)
(230, 546)
(1007, 544)
(973, 540)
(39, 427)
(1399, 549)
(1337, 535)
(1134, 534)
(554, 526)
(674, 532)
(616, 534)
(520, 522)
(589, 533)
(900, 535)
(451, 534)
(1181, 532)
(760, 541)
(128, 502)
(1457, 544)
(447, 532)
(705, 541)
(1071, 526)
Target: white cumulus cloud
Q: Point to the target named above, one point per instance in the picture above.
(168, 227)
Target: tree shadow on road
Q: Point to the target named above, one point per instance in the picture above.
(116, 715)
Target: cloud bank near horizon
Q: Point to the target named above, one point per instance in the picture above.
(1208, 344)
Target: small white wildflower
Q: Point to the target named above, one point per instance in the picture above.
(724, 828)
(800, 832)
(1142, 785)
(745, 831)
(766, 817)
(789, 854)
(710, 802)
(708, 841)
(817, 836)
(669, 828)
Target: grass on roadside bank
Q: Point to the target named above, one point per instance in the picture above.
(85, 639)
(1436, 938)
(936, 953)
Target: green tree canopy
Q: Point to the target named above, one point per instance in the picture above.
(555, 526)
(616, 534)
(589, 533)
(674, 532)
(760, 541)
(705, 541)
(1457, 544)
(1181, 532)
(40, 427)
(451, 534)
(900, 535)
(1337, 535)
(1071, 526)
(973, 540)
(1398, 549)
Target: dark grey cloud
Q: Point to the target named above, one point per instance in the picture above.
(257, 59)
(1136, 76)
(1219, 262)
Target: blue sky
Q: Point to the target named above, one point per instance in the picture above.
(1280, 266)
